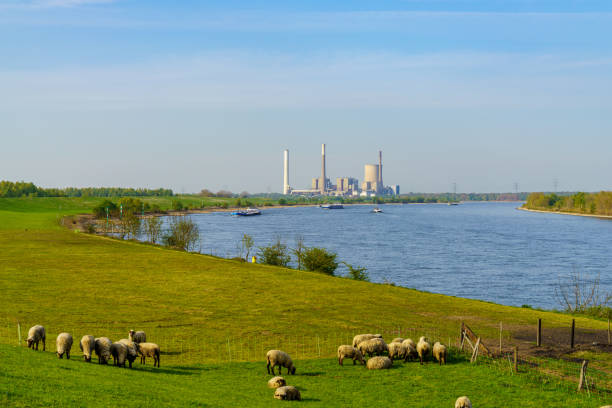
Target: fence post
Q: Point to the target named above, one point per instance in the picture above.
(572, 333)
(500, 337)
(19, 332)
(539, 337)
(583, 369)
(516, 359)
(608, 331)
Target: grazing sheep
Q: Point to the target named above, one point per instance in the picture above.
(379, 363)
(87, 345)
(396, 350)
(397, 340)
(137, 336)
(149, 350)
(36, 334)
(102, 346)
(63, 344)
(439, 352)
(463, 402)
(132, 350)
(287, 393)
(375, 346)
(277, 382)
(119, 351)
(363, 337)
(410, 342)
(423, 348)
(280, 359)
(350, 352)
(411, 352)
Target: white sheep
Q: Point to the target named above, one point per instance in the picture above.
(149, 350)
(276, 382)
(375, 346)
(35, 334)
(348, 351)
(423, 348)
(63, 344)
(102, 346)
(398, 340)
(363, 337)
(396, 350)
(463, 402)
(137, 336)
(277, 358)
(439, 352)
(410, 350)
(132, 350)
(378, 363)
(87, 345)
(287, 393)
(119, 351)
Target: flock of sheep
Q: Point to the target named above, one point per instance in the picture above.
(381, 356)
(125, 349)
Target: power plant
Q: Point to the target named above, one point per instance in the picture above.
(345, 186)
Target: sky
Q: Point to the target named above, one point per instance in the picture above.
(207, 94)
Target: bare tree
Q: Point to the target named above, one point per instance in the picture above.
(298, 251)
(153, 229)
(576, 293)
(245, 246)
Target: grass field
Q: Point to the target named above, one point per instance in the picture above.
(202, 309)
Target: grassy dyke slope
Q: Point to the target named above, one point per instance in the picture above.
(40, 379)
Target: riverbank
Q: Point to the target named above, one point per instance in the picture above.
(565, 213)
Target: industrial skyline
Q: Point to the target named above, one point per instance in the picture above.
(345, 186)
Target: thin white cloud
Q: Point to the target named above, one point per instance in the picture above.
(47, 4)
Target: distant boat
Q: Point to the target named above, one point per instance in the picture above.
(247, 212)
(377, 210)
(332, 206)
(453, 203)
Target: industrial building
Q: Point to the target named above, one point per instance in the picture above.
(345, 186)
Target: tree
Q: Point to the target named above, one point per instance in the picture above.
(100, 210)
(298, 251)
(357, 272)
(576, 294)
(177, 205)
(153, 229)
(206, 193)
(246, 244)
(183, 233)
(275, 254)
(320, 260)
(129, 225)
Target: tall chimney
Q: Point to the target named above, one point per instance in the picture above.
(286, 188)
(380, 180)
(322, 184)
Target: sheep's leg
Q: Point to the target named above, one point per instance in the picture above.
(68, 355)
(269, 367)
(280, 368)
(44, 340)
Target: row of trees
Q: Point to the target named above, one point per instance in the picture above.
(584, 203)
(27, 189)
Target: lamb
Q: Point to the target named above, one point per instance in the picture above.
(287, 393)
(102, 347)
(423, 348)
(280, 359)
(463, 402)
(410, 350)
(36, 334)
(363, 337)
(149, 350)
(137, 336)
(276, 382)
(87, 345)
(439, 352)
(132, 350)
(397, 340)
(119, 351)
(346, 350)
(375, 346)
(63, 344)
(396, 350)
(378, 363)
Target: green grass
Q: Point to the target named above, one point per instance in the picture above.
(202, 309)
(40, 379)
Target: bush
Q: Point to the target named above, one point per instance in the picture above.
(153, 229)
(177, 205)
(282, 201)
(183, 233)
(357, 273)
(129, 225)
(319, 260)
(100, 210)
(276, 254)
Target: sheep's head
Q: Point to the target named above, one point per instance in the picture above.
(30, 342)
(87, 358)
(131, 335)
(292, 370)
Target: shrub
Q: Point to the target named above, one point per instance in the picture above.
(177, 205)
(129, 225)
(276, 254)
(183, 233)
(100, 210)
(153, 229)
(319, 260)
(282, 201)
(357, 272)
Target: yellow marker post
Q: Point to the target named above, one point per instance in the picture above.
(254, 259)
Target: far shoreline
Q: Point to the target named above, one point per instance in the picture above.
(565, 213)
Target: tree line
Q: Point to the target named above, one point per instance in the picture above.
(29, 189)
(583, 203)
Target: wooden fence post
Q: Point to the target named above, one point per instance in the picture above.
(475, 352)
(539, 336)
(516, 359)
(500, 337)
(583, 369)
(19, 332)
(572, 333)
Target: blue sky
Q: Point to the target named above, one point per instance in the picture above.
(208, 94)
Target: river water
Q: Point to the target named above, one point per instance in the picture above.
(488, 251)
